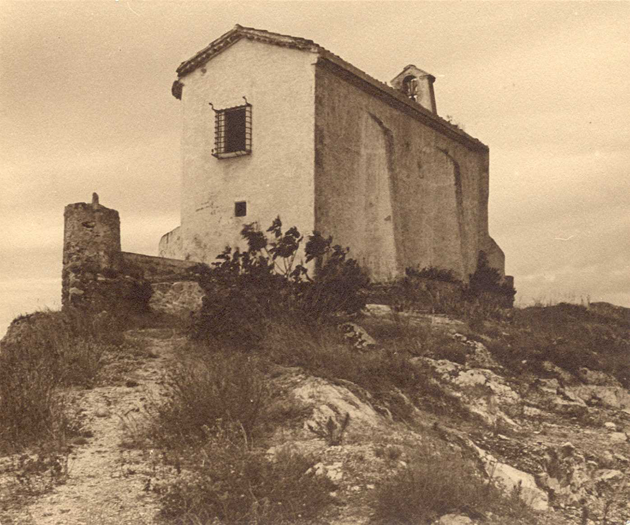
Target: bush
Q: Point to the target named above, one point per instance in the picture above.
(205, 392)
(433, 273)
(40, 353)
(228, 483)
(245, 289)
(569, 335)
(486, 283)
(434, 483)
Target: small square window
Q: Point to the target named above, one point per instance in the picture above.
(233, 132)
(240, 209)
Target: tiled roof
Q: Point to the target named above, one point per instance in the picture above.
(239, 32)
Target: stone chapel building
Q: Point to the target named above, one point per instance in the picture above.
(277, 125)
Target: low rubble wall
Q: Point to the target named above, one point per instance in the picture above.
(97, 275)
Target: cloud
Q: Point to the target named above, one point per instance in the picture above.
(85, 91)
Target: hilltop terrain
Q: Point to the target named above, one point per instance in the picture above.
(392, 416)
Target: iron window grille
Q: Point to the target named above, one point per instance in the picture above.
(232, 131)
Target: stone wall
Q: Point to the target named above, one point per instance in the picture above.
(157, 269)
(171, 244)
(97, 275)
(392, 186)
(176, 298)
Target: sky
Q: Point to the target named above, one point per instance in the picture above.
(86, 105)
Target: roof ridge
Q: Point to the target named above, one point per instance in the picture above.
(238, 32)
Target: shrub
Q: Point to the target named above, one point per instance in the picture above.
(229, 483)
(433, 273)
(487, 283)
(205, 392)
(244, 289)
(440, 291)
(40, 353)
(432, 484)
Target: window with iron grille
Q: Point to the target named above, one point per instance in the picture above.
(233, 132)
(240, 209)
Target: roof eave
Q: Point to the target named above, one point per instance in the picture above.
(237, 33)
(212, 49)
(436, 120)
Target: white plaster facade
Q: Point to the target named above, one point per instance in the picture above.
(332, 150)
(277, 177)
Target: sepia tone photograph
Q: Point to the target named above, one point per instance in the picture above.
(314, 263)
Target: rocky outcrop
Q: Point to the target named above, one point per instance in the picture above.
(480, 392)
(179, 298)
(357, 336)
(514, 481)
(331, 401)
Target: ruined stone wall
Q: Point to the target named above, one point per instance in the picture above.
(97, 275)
(176, 298)
(392, 185)
(91, 251)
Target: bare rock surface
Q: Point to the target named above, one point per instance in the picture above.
(549, 440)
(328, 400)
(454, 519)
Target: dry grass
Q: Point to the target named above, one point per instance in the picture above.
(227, 482)
(45, 353)
(209, 425)
(51, 350)
(205, 391)
(388, 374)
(437, 481)
(570, 335)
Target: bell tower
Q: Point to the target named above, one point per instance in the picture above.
(417, 85)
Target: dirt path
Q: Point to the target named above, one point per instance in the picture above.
(106, 482)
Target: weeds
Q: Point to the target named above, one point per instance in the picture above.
(331, 431)
(486, 283)
(433, 273)
(434, 483)
(46, 351)
(390, 452)
(37, 474)
(205, 392)
(485, 296)
(437, 482)
(570, 336)
(324, 353)
(394, 381)
(228, 482)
